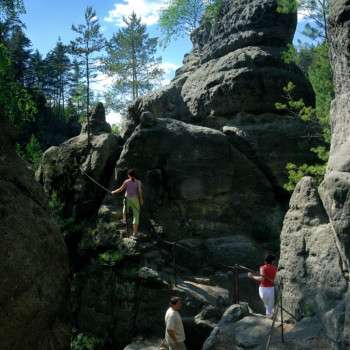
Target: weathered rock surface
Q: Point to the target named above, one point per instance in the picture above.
(233, 77)
(251, 331)
(144, 345)
(197, 183)
(310, 262)
(60, 172)
(315, 248)
(34, 262)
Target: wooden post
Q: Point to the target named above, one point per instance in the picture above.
(237, 284)
(234, 286)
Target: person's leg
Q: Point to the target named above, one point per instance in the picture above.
(262, 294)
(124, 210)
(267, 295)
(135, 206)
(270, 301)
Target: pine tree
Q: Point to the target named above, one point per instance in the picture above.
(19, 50)
(77, 90)
(88, 42)
(316, 11)
(131, 59)
(58, 64)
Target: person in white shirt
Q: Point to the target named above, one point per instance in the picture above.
(174, 329)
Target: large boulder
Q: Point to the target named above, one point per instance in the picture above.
(34, 263)
(61, 167)
(310, 264)
(198, 184)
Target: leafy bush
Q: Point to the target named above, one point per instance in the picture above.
(86, 342)
(110, 257)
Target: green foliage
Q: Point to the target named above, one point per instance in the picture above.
(68, 225)
(85, 46)
(320, 74)
(287, 6)
(116, 129)
(297, 172)
(321, 78)
(181, 17)
(10, 8)
(132, 61)
(316, 11)
(296, 107)
(32, 152)
(15, 102)
(111, 257)
(86, 342)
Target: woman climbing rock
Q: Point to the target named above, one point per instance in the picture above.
(133, 198)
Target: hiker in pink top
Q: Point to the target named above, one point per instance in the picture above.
(133, 198)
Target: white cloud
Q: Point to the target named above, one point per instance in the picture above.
(169, 67)
(114, 118)
(147, 9)
(102, 83)
(301, 15)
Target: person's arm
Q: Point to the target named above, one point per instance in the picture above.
(120, 189)
(257, 278)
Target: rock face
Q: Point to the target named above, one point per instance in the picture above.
(60, 168)
(315, 248)
(233, 77)
(197, 183)
(210, 149)
(34, 262)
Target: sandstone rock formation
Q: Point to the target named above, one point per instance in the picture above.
(233, 77)
(197, 183)
(60, 168)
(315, 249)
(210, 149)
(34, 262)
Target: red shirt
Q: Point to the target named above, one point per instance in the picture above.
(269, 271)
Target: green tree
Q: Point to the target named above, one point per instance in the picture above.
(316, 11)
(19, 50)
(15, 103)
(59, 66)
(181, 17)
(131, 60)
(320, 75)
(77, 89)
(9, 16)
(88, 43)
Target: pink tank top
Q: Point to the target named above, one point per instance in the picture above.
(132, 188)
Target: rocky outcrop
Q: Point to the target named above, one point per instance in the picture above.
(198, 184)
(34, 262)
(310, 263)
(315, 248)
(233, 77)
(60, 169)
(241, 330)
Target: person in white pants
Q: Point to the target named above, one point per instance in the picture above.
(266, 280)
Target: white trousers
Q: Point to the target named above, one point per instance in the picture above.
(267, 295)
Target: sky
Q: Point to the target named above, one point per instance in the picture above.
(46, 21)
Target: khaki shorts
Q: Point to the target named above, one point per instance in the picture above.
(133, 204)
